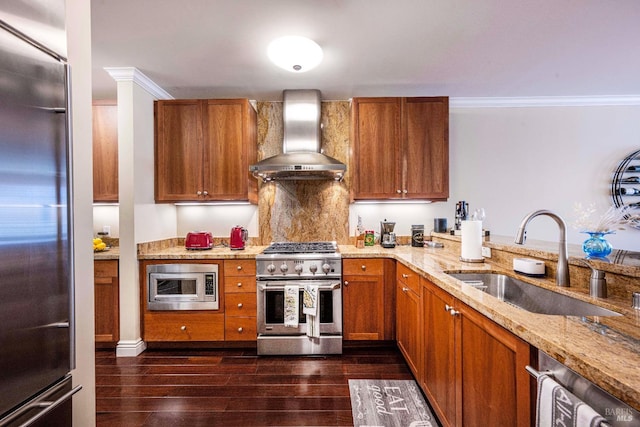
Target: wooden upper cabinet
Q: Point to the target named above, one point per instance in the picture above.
(105, 152)
(426, 148)
(401, 148)
(204, 149)
(376, 149)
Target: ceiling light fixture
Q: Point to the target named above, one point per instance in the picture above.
(294, 53)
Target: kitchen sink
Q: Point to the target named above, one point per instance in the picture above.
(530, 297)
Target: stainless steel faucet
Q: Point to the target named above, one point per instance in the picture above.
(562, 271)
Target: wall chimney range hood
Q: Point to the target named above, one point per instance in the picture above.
(301, 158)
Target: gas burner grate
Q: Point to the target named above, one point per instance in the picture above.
(301, 248)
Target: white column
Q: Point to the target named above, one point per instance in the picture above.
(136, 94)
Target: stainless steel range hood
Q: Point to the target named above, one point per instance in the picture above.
(302, 158)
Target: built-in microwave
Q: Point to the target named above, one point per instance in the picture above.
(183, 287)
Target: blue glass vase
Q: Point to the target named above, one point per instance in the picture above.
(596, 246)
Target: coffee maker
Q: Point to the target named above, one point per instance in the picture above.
(387, 236)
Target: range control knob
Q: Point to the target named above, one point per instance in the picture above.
(271, 268)
(313, 268)
(298, 268)
(284, 267)
(326, 268)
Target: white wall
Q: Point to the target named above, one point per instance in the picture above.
(217, 219)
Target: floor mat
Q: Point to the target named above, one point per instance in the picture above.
(389, 403)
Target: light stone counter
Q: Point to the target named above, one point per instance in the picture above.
(604, 350)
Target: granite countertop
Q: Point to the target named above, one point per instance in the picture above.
(109, 254)
(605, 350)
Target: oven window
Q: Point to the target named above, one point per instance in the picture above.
(176, 286)
(274, 307)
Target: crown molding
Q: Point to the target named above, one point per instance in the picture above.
(544, 101)
(132, 74)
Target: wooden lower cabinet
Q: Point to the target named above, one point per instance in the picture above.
(367, 299)
(106, 303)
(408, 317)
(474, 370)
(240, 300)
(183, 326)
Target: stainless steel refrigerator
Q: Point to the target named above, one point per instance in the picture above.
(36, 287)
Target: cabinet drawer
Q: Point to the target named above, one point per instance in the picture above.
(408, 277)
(240, 267)
(105, 268)
(240, 304)
(240, 329)
(240, 284)
(184, 326)
(363, 266)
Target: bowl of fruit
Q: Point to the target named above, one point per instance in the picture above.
(99, 245)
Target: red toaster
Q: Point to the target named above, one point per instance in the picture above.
(198, 240)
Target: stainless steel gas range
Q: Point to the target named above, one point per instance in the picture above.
(285, 274)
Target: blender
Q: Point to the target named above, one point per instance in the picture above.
(387, 236)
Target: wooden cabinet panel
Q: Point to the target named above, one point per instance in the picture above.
(204, 149)
(439, 374)
(105, 152)
(106, 303)
(494, 387)
(179, 150)
(363, 266)
(401, 148)
(426, 148)
(363, 307)
(240, 329)
(376, 122)
(409, 278)
(409, 325)
(240, 300)
(474, 370)
(240, 267)
(240, 304)
(183, 326)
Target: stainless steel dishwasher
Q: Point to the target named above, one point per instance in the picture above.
(616, 412)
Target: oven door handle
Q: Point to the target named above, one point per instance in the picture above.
(280, 287)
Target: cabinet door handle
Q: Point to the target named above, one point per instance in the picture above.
(239, 305)
(447, 307)
(239, 267)
(198, 193)
(399, 191)
(364, 267)
(405, 276)
(239, 284)
(405, 191)
(183, 328)
(453, 312)
(404, 289)
(240, 329)
(205, 192)
(346, 283)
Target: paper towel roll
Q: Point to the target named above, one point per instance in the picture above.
(471, 250)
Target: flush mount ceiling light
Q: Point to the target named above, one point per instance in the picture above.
(294, 53)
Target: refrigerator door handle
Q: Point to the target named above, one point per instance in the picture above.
(57, 325)
(49, 406)
(39, 404)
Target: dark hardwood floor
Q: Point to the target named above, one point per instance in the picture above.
(235, 387)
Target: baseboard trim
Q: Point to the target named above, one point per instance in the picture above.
(130, 348)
